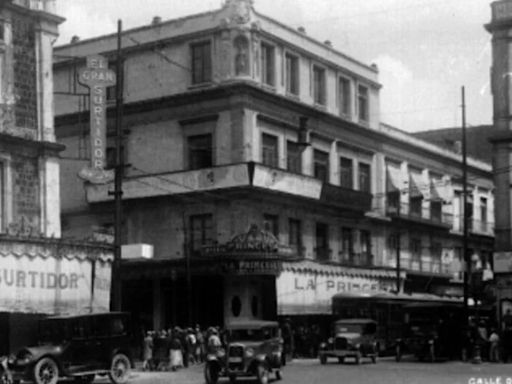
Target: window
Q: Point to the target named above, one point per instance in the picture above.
(267, 64)
(295, 235)
(322, 242)
(319, 96)
(365, 242)
(269, 150)
(415, 205)
(483, 213)
(292, 74)
(436, 209)
(1, 31)
(415, 245)
(393, 200)
(294, 157)
(271, 224)
(347, 244)
(364, 178)
(363, 103)
(200, 153)
(201, 62)
(201, 231)
(321, 165)
(344, 94)
(346, 175)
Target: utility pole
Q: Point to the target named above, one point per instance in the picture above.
(467, 261)
(118, 181)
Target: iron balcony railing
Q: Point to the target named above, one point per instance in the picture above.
(428, 266)
(407, 211)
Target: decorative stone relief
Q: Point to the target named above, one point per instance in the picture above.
(242, 55)
(239, 11)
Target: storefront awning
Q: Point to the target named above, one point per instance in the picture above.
(394, 179)
(418, 187)
(338, 270)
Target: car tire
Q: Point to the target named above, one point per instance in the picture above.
(262, 374)
(211, 373)
(323, 359)
(119, 369)
(46, 371)
(398, 353)
(341, 360)
(279, 375)
(374, 359)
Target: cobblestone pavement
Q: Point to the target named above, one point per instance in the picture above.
(309, 371)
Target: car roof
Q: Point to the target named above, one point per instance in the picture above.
(355, 321)
(86, 315)
(250, 324)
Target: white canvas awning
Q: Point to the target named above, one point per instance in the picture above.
(394, 179)
(418, 187)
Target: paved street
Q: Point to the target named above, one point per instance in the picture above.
(385, 371)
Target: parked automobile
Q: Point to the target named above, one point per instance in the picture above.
(77, 347)
(253, 348)
(352, 338)
(431, 331)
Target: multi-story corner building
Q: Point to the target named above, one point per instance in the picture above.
(40, 273)
(500, 27)
(259, 173)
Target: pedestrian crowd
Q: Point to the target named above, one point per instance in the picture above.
(174, 348)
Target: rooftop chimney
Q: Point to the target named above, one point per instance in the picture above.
(302, 30)
(328, 43)
(75, 39)
(156, 20)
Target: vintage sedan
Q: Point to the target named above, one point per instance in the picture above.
(353, 338)
(254, 348)
(77, 347)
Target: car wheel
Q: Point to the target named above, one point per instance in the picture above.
(398, 353)
(279, 375)
(323, 359)
(46, 371)
(211, 373)
(358, 358)
(341, 360)
(232, 379)
(262, 374)
(119, 369)
(374, 359)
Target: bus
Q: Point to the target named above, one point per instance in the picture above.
(386, 308)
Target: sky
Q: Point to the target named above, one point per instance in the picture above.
(426, 50)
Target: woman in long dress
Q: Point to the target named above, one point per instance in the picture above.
(176, 354)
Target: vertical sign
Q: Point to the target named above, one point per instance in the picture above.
(97, 77)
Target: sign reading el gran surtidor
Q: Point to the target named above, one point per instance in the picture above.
(97, 77)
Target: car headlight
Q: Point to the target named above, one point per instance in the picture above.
(249, 352)
(24, 357)
(357, 346)
(221, 353)
(330, 340)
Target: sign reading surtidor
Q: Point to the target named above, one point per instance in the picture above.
(97, 77)
(53, 285)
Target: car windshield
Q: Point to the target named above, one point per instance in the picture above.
(251, 334)
(349, 328)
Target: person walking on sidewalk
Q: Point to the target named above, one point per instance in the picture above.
(147, 364)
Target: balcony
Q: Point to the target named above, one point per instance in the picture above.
(242, 175)
(407, 212)
(362, 259)
(424, 266)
